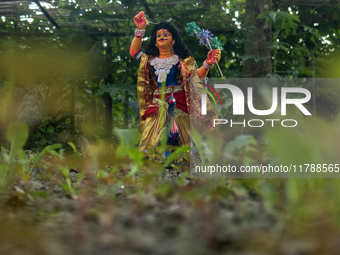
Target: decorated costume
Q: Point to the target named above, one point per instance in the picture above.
(149, 97)
(165, 68)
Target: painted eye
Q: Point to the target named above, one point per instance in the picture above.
(159, 35)
(166, 34)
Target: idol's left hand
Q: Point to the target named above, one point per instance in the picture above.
(213, 56)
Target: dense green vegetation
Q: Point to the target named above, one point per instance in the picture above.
(77, 67)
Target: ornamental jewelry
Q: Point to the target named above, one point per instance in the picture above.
(139, 32)
(163, 66)
(206, 66)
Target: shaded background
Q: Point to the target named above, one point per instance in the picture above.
(66, 63)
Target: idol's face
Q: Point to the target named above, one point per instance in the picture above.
(164, 39)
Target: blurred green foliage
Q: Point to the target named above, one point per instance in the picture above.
(55, 84)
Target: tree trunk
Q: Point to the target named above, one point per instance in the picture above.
(107, 96)
(258, 39)
(126, 110)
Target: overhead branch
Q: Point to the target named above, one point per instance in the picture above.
(148, 11)
(47, 15)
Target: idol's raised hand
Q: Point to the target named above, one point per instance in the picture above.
(213, 56)
(140, 20)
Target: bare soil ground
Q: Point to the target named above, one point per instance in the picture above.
(39, 217)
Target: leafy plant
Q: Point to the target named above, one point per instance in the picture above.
(17, 134)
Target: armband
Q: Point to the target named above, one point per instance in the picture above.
(138, 55)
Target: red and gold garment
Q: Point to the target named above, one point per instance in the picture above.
(149, 97)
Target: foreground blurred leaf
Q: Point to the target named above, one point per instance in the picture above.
(128, 137)
(17, 135)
